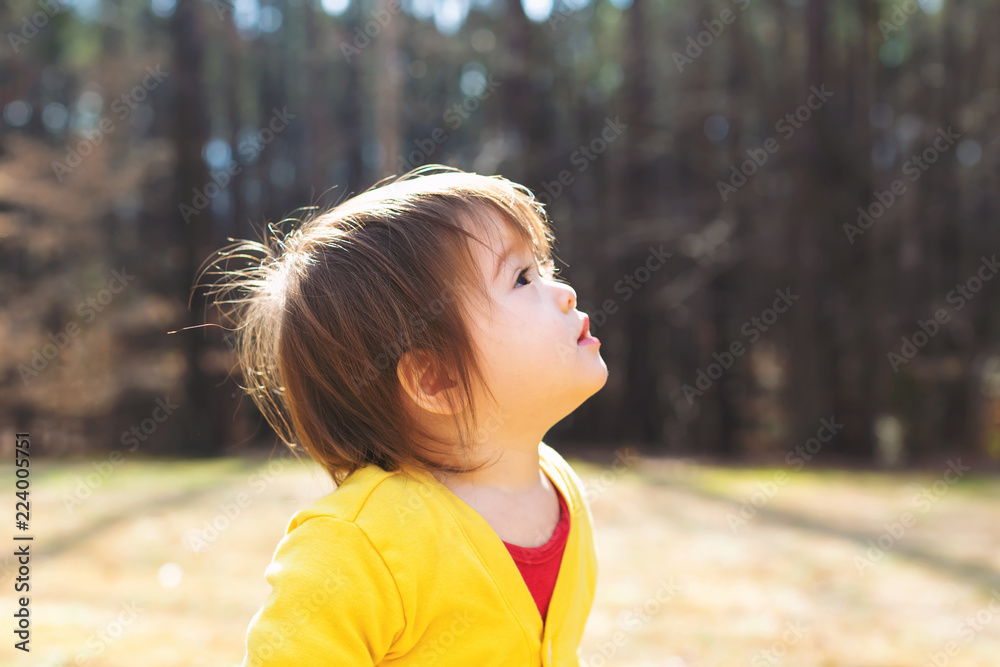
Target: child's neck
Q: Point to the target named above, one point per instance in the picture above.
(514, 471)
(514, 496)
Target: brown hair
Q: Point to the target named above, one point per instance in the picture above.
(323, 318)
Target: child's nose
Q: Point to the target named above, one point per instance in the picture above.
(567, 296)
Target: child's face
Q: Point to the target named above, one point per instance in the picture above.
(528, 342)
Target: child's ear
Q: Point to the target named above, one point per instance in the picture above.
(428, 384)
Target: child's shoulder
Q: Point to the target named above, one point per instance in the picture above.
(371, 498)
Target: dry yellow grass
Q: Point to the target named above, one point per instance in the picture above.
(683, 583)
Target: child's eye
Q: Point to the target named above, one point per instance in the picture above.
(523, 274)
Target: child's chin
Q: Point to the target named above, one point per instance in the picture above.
(603, 377)
(595, 381)
(601, 371)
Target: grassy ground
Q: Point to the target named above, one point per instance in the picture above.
(699, 565)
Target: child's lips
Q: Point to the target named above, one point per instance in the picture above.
(585, 337)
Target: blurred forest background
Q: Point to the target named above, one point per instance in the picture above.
(739, 136)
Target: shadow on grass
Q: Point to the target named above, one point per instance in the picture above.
(980, 575)
(133, 512)
(190, 494)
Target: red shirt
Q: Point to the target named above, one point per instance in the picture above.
(540, 565)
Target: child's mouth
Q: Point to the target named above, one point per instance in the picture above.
(585, 337)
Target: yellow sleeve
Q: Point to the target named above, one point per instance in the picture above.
(333, 600)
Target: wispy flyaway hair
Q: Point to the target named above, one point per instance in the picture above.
(323, 314)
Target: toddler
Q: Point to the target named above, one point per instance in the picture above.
(415, 341)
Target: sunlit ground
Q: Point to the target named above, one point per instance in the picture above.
(685, 579)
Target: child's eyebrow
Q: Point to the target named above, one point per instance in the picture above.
(502, 259)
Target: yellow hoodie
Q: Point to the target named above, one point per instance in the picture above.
(393, 569)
